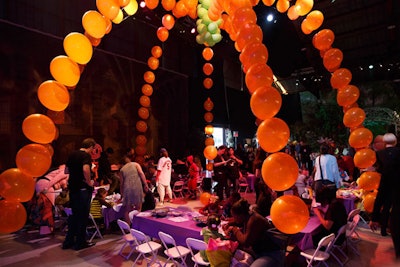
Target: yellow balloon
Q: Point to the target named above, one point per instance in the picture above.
(65, 70)
(39, 128)
(53, 95)
(118, 19)
(78, 47)
(131, 8)
(94, 24)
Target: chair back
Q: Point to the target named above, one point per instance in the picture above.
(195, 244)
(124, 226)
(139, 236)
(353, 225)
(353, 213)
(326, 242)
(166, 239)
(178, 186)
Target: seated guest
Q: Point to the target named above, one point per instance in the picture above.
(95, 207)
(253, 236)
(211, 231)
(334, 217)
(226, 207)
(264, 201)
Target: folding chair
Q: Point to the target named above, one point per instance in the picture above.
(127, 237)
(195, 246)
(95, 227)
(144, 246)
(177, 189)
(350, 217)
(351, 237)
(317, 254)
(172, 251)
(337, 247)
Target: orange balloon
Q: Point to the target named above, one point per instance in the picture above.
(289, 214)
(141, 126)
(65, 70)
(141, 140)
(210, 152)
(149, 77)
(162, 34)
(144, 101)
(354, 117)
(364, 158)
(208, 104)
(258, 75)
(208, 68)
(53, 95)
(248, 33)
(12, 216)
(151, 4)
(153, 63)
(109, 8)
(341, 78)
(168, 5)
(209, 166)
(33, 160)
(16, 186)
(147, 89)
(313, 20)
(242, 16)
(78, 47)
(156, 51)
(94, 41)
(378, 143)
(360, 138)
(282, 5)
(279, 171)
(143, 113)
(265, 102)
(304, 25)
(304, 6)
(209, 129)
(209, 141)
(346, 108)
(252, 54)
(39, 128)
(205, 198)
(347, 95)
(180, 9)
(140, 150)
(49, 147)
(168, 21)
(123, 3)
(323, 40)
(208, 83)
(268, 2)
(207, 53)
(332, 59)
(292, 13)
(273, 134)
(94, 24)
(208, 117)
(369, 181)
(369, 201)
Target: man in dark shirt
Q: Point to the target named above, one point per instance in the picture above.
(80, 187)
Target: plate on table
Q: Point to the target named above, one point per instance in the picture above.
(175, 213)
(160, 213)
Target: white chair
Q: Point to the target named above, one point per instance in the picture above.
(95, 227)
(243, 187)
(173, 251)
(144, 246)
(317, 254)
(338, 248)
(177, 189)
(351, 236)
(350, 217)
(127, 237)
(195, 246)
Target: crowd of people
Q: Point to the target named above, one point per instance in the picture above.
(320, 175)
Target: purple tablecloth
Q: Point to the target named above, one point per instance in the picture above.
(348, 202)
(179, 230)
(110, 215)
(250, 180)
(304, 239)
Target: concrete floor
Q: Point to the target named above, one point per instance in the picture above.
(28, 248)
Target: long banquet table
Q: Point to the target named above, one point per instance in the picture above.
(178, 227)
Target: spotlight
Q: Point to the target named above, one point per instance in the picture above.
(142, 4)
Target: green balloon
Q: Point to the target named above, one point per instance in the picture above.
(201, 28)
(212, 27)
(216, 37)
(206, 4)
(198, 22)
(199, 39)
(201, 12)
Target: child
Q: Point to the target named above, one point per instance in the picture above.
(98, 201)
(211, 231)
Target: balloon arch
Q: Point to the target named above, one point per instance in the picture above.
(238, 19)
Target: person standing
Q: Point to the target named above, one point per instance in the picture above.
(388, 165)
(326, 171)
(133, 181)
(220, 173)
(80, 185)
(163, 177)
(194, 175)
(233, 169)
